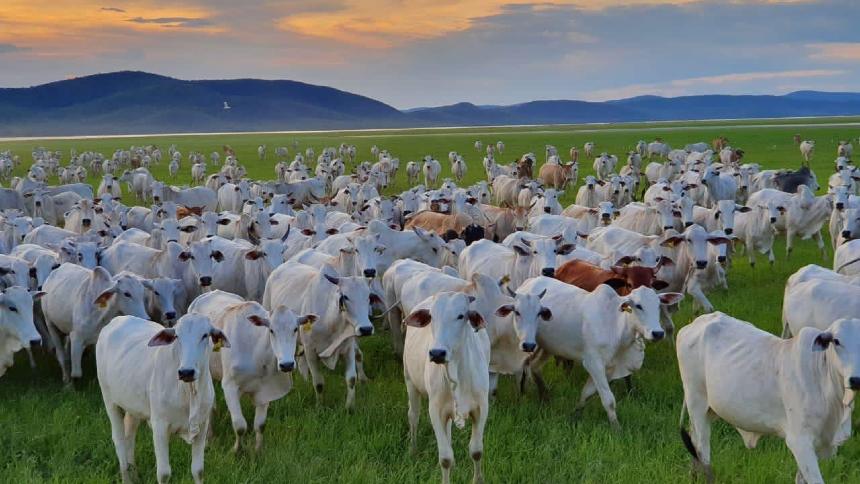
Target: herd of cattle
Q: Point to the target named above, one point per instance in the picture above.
(244, 281)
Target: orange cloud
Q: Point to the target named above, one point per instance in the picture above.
(836, 51)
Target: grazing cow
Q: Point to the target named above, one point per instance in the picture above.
(232, 197)
(446, 359)
(720, 217)
(762, 385)
(658, 148)
(600, 329)
(807, 150)
(342, 305)
(17, 330)
(559, 176)
(788, 181)
(139, 182)
(138, 364)
(261, 356)
(622, 279)
(667, 170)
(79, 302)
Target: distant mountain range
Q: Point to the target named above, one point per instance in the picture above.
(139, 102)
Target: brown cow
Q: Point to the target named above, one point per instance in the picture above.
(621, 278)
(557, 176)
(446, 226)
(719, 143)
(502, 222)
(797, 139)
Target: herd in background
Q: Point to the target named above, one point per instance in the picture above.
(244, 281)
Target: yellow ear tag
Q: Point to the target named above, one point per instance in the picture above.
(627, 309)
(306, 327)
(218, 346)
(102, 305)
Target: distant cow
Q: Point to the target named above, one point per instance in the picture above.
(788, 181)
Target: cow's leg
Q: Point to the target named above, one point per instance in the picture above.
(535, 368)
(414, 415)
(359, 364)
(316, 374)
(695, 290)
(198, 448)
(231, 398)
(700, 426)
(750, 249)
(395, 318)
(770, 256)
(820, 242)
(807, 459)
(666, 320)
(260, 413)
(476, 442)
(494, 383)
(789, 241)
(442, 428)
(59, 350)
(131, 425)
(117, 431)
(350, 376)
(76, 343)
(595, 367)
(161, 443)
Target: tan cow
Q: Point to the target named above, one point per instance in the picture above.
(558, 176)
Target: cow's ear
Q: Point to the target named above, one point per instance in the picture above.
(476, 320)
(565, 249)
(163, 337)
(217, 255)
(308, 232)
(218, 338)
(253, 255)
(669, 298)
(418, 319)
(258, 320)
(189, 228)
(718, 240)
(627, 259)
(103, 298)
(616, 283)
(504, 310)
(743, 209)
(672, 241)
(545, 313)
(223, 221)
(184, 256)
(822, 341)
(375, 300)
(521, 251)
(659, 284)
(306, 319)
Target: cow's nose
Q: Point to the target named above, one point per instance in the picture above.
(604, 216)
(206, 281)
(170, 315)
(365, 331)
(370, 273)
(729, 231)
(721, 258)
(657, 335)
(668, 227)
(548, 271)
(773, 220)
(520, 229)
(547, 210)
(35, 342)
(437, 355)
(688, 224)
(38, 204)
(529, 347)
(840, 206)
(701, 264)
(186, 374)
(86, 222)
(846, 234)
(286, 366)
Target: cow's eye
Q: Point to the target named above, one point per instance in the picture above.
(836, 342)
(639, 307)
(460, 317)
(156, 293)
(435, 250)
(127, 294)
(13, 309)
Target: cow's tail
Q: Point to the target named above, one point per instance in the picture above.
(685, 435)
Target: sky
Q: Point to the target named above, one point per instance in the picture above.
(412, 53)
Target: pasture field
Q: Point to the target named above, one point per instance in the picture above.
(48, 433)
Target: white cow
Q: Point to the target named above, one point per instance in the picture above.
(138, 363)
(446, 359)
(846, 259)
(79, 302)
(761, 385)
(807, 149)
(431, 169)
(342, 305)
(816, 303)
(600, 329)
(261, 356)
(17, 330)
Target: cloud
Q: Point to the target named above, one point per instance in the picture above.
(709, 84)
(112, 9)
(835, 51)
(11, 48)
(173, 21)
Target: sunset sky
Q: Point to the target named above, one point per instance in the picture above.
(412, 53)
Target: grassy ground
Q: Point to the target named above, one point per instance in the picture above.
(51, 434)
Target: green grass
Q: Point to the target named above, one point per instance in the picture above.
(51, 434)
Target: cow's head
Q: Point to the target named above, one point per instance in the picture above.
(196, 338)
(452, 319)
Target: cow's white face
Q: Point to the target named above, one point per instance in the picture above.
(129, 296)
(725, 214)
(367, 252)
(843, 338)
(606, 212)
(164, 291)
(16, 307)
(157, 188)
(642, 308)
(527, 311)
(283, 327)
(202, 259)
(354, 298)
(431, 247)
(195, 336)
(685, 205)
(452, 318)
(84, 254)
(851, 224)
(170, 229)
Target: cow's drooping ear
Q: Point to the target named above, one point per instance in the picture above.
(103, 298)
(504, 310)
(669, 298)
(659, 284)
(476, 320)
(258, 320)
(822, 341)
(163, 337)
(218, 338)
(419, 318)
